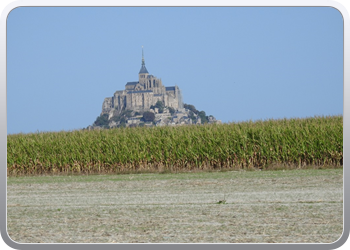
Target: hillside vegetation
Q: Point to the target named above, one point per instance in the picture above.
(271, 144)
(157, 115)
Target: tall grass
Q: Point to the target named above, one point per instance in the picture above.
(271, 144)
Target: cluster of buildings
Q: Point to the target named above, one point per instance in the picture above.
(142, 94)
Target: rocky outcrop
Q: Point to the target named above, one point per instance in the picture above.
(179, 117)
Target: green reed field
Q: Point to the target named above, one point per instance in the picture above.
(272, 144)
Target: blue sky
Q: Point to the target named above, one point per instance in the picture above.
(236, 63)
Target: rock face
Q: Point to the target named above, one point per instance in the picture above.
(181, 116)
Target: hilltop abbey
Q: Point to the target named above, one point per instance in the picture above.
(127, 108)
(141, 95)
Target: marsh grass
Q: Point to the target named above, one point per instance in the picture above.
(272, 144)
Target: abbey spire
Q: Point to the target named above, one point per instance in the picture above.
(143, 69)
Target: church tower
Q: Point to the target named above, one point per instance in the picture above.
(142, 94)
(143, 74)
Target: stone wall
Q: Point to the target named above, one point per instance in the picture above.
(141, 95)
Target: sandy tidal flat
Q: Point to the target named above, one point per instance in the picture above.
(300, 206)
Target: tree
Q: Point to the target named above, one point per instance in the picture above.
(123, 120)
(191, 114)
(148, 116)
(122, 116)
(171, 110)
(204, 118)
(159, 105)
(116, 118)
(102, 120)
(191, 108)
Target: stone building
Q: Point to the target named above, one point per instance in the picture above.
(142, 94)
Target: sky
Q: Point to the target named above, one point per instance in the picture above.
(235, 63)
